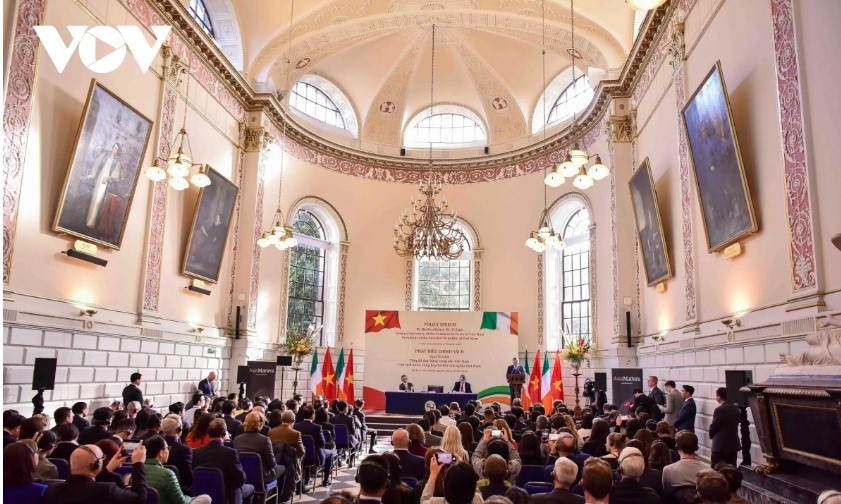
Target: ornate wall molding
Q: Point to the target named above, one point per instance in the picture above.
(283, 312)
(477, 280)
(254, 139)
(174, 70)
(614, 256)
(795, 160)
(237, 208)
(690, 308)
(20, 90)
(594, 288)
(340, 318)
(541, 307)
(409, 268)
(254, 282)
(621, 129)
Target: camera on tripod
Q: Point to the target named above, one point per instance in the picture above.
(589, 389)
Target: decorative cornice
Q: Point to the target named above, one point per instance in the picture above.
(254, 139)
(174, 67)
(676, 47)
(622, 128)
(327, 154)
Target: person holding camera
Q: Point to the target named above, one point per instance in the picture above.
(459, 482)
(496, 441)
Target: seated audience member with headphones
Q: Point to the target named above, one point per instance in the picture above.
(85, 464)
(372, 477)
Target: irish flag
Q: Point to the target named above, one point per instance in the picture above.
(546, 384)
(315, 374)
(525, 398)
(340, 375)
(501, 321)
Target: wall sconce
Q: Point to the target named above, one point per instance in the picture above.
(87, 312)
(196, 329)
(658, 337)
(212, 350)
(196, 288)
(731, 323)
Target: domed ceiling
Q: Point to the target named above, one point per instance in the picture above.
(378, 53)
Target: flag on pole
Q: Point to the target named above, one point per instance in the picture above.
(315, 374)
(526, 400)
(328, 382)
(347, 383)
(557, 379)
(340, 375)
(501, 321)
(534, 380)
(546, 384)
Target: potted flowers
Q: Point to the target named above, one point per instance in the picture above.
(300, 345)
(576, 352)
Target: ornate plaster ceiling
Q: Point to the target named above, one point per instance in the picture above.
(487, 54)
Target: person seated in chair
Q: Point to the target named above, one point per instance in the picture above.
(323, 456)
(564, 474)
(405, 385)
(215, 454)
(86, 462)
(161, 478)
(462, 385)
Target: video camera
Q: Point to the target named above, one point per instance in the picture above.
(589, 389)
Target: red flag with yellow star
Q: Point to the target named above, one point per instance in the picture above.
(347, 386)
(534, 380)
(377, 320)
(328, 380)
(557, 380)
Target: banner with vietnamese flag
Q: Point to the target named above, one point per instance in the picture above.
(377, 320)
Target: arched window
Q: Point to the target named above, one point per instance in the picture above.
(563, 98)
(569, 274)
(315, 294)
(448, 285)
(320, 99)
(199, 12)
(306, 274)
(445, 127)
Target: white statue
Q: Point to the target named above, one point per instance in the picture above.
(824, 348)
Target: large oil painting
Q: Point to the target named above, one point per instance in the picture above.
(99, 186)
(719, 173)
(209, 232)
(655, 254)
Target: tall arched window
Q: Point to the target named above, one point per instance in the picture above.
(306, 274)
(316, 271)
(445, 126)
(563, 98)
(318, 98)
(568, 275)
(199, 12)
(448, 285)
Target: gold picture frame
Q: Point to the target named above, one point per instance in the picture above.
(652, 239)
(210, 228)
(104, 168)
(720, 182)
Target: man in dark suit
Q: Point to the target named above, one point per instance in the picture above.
(11, 427)
(686, 416)
(724, 430)
(366, 431)
(514, 368)
(206, 385)
(643, 400)
(81, 487)
(63, 415)
(342, 418)
(429, 439)
(412, 465)
(80, 415)
(462, 385)
(405, 385)
(180, 455)
(372, 477)
(132, 391)
(307, 427)
(656, 395)
(231, 423)
(217, 455)
(99, 430)
(564, 474)
(67, 436)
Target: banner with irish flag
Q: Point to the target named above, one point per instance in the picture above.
(507, 322)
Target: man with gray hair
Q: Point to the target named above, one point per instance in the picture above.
(180, 455)
(412, 465)
(629, 490)
(564, 475)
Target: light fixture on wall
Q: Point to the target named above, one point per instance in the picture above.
(575, 164)
(731, 323)
(545, 237)
(180, 159)
(280, 235)
(645, 4)
(432, 230)
(87, 312)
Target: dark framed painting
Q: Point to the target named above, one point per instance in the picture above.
(652, 240)
(99, 187)
(209, 232)
(720, 180)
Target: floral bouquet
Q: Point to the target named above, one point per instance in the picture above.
(577, 351)
(300, 345)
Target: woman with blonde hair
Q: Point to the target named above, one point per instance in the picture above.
(252, 441)
(416, 440)
(452, 443)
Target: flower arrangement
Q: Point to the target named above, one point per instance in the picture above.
(577, 351)
(300, 345)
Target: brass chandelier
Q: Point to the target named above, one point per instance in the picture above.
(431, 231)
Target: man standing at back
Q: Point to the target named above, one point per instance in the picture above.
(132, 391)
(724, 430)
(217, 455)
(206, 385)
(686, 416)
(656, 395)
(674, 401)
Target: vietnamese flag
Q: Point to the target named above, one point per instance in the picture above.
(376, 320)
(328, 380)
(534, 380)
(557, 380)
(347, 385)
